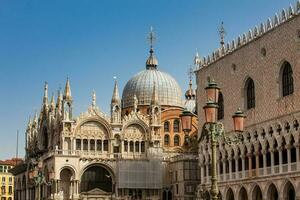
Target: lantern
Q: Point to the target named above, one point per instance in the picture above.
(238, 120)
(212, 91)
(186, 121)
(210, 110)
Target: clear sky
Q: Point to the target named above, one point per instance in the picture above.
(92, 41)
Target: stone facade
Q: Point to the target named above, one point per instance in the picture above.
(126, 155)
(266, 163)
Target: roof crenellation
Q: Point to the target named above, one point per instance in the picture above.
(252, 34)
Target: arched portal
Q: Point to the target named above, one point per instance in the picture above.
(97, 180)
(289, 191)
(257, 194)
(229, 194)
(65, 177)
(243, 194)
(272, 193)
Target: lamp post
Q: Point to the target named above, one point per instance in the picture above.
(214, 130)
(186, 121)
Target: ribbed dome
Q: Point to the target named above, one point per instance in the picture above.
(141, 85)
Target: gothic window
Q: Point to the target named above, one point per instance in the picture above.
(287, 79)
(131, 146)
(78, 144)
(105, 145)
(99, 145)
(176, 126)
(92, 145)
(142, 146)
(250, 93)
(167, 140)
(125, 146)
(166, 126)
(85, 144)
(137, 146)
(176, 140)
(221, 106)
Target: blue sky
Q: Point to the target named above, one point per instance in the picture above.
(92, 41)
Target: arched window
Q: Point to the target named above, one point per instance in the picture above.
(287, 79)
(176, 126)
(166, 126)
(250, 93)
(221, 106)
(167, 140)
(131, 146)
(176, 140)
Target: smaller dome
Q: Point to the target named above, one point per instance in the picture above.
(190, 93)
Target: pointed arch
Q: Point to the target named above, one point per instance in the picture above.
(272, 192)
(221, 106)
(229, 194)
(288, 191)
(257, 193)
(287, 81)
(250, 93)
(243, 194)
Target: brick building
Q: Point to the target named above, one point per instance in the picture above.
(258, 72)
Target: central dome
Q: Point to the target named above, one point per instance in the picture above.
(142, 84)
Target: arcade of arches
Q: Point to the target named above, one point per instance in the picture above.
(96, 179)
(271, 192)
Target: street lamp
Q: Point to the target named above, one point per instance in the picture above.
(186, 122)
(214, 130)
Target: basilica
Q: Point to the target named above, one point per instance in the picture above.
(138, 151)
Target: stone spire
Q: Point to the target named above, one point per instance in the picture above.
(67, 94)
(52, 103)
(59, 99)
(151, 62)
(115, 106)
(115, 97)
(45, 99)
(197, 60)
(35, 119)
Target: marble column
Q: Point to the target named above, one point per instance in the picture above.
(272, 161)
(230, 167)
(280, 159)
(202, 173)
(257, 163)
(236, 162)
(224, 168)
(243, 166)
(297, 155)
(288, 148)
(264, 161)
(249, 157)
